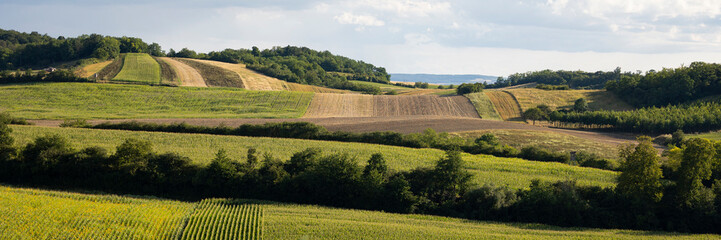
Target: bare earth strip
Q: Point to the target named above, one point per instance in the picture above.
(189, 77)
(401, 124)
(91, 69)
(506, 104)
(354, 105)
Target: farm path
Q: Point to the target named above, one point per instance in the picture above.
(189, 77)
(401, 124)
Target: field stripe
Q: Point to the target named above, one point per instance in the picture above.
(506, 104)
(357, 105)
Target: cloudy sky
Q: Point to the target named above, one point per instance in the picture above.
(493, 37)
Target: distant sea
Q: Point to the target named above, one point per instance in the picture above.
(444, 79)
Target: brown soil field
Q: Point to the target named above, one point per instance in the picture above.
(91, 69)
(355, 105)
(506, 104)
(188, 76)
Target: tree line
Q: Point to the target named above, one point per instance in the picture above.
(680, 196)
(574, 79)
(33, 50)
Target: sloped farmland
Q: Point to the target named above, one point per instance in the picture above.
(353, 105)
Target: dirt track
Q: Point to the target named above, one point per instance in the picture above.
(349, 105)
(189, 77)
(403, 124)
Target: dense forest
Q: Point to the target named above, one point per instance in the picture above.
(574, 79)
(33, 50)
(669, 86)
(688, 200)
(300, 65)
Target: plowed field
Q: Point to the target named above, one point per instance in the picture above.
(351, 105)
(189, 77)
(506, 104)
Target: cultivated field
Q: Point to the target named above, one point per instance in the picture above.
(516, 173)
(139, 67)
(224, 219)
(484, 106)
(596, 99)
(506, 105)
(168, 74)
(353, 105)
(214, 76)
(38, 214)
(111, 70)
(124, 101)
(90, 70)
(43, 214)
(187, 75)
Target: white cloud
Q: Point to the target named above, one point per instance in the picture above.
(363, 20)
(407, 8)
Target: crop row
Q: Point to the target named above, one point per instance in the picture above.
(222, 219)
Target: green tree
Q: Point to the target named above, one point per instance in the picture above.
(450, 179)
(640, 171)
(534, 114)
(696, 163)
(580, 105)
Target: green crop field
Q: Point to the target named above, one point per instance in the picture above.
(513, 172)
(42, 214)
(225, 219)
(123, 101)
(139, 67)
(37, 214)
(484, 106)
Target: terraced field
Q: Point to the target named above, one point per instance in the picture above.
(506, 105)
(596, 99)
(42, 214)
(124, 101)
(513, 172)
(187, 75)
(349, 105)
(139, 67)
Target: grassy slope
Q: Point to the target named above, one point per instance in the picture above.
(102, 101)
(716, 136)
(547, 139)
(139, 67)
(596, 99)
(53, 214)
(484, 106)
(515, 173)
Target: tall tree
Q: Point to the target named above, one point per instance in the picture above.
(641, 173)
(696, 163)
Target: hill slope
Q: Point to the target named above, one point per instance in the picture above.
(188, 76)
(139, 67)
(516, 173)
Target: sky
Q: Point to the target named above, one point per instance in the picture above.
(491, 37)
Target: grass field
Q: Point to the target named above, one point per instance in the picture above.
(43, 214)
(716, 136)
(139, 67)
(484, 106)
(596, 99)
(90, 70)
(507, 106)
(108, 101)
(516, 173)
(550, 140)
